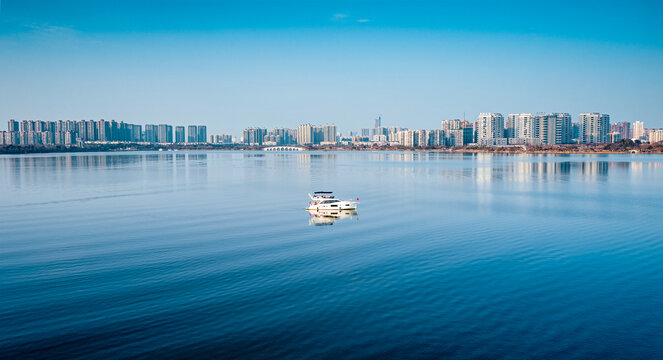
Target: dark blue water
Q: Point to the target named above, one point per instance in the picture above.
(211, 255)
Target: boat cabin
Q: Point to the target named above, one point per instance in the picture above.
(323, 195)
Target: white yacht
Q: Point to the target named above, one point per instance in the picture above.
(324, 200)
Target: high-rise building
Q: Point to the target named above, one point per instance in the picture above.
(102, 130)
(420, 138)
(638, 130)
(595, 127)
(456, 133)
(134, 132)
(392, 133)
(81, 128)
(490, 126)
(192, 134)
(576, 134)
(329, 133)
(379, 131)
(655, 135)
(407, 138)
(179, 134)
(202, 133)
(563, 128)
(435, 137)
(317, 134)
(509, 127)
(283, 136)
(522, 125)
(254, 136)
(305, 134)
(165, 134)
(91, 130)
(552, 129)
(623, 128)
(223, 139)
(151, 133)
(113, 131)
(378, 122)
(12, 125)
(451, 125)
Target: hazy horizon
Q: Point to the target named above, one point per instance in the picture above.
(231, 66)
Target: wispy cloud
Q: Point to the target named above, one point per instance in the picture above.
(344, 18)
(339, 17)
(51, 30)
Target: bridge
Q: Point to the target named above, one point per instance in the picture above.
(283, 148)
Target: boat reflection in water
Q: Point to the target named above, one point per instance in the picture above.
(328, 217)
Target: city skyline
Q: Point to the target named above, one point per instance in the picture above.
(489, 129)
(257, 63)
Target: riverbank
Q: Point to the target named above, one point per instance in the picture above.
(621, 147)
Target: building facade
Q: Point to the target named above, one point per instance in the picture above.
(329, 133)
(595, 127)
(254, 136)
(305, 134)
(192, 134)
(623, 128)
(638, 130)
(490, 126)
(655, 135)
(179, 134)
(552, 129)
(522, 125)
(202, 134)
(165, 134)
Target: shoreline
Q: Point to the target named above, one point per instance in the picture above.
(615, 148)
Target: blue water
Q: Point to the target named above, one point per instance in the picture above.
(212, 255)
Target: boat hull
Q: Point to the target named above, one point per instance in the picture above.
(343, 205)
(331, 208)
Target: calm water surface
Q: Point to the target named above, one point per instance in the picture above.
(212, 255)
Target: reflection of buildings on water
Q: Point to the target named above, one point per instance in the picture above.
(316, 170)
(415, 156)
(38, 170)
(305, 160)
(594, 169)
(328, 217)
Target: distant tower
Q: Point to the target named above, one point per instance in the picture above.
(192, 134)
(378, 122)
(638, 130)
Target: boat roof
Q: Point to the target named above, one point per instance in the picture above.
(323, 192)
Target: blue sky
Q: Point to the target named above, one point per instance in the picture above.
(266, 63)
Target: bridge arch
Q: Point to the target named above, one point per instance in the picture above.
(283, 148)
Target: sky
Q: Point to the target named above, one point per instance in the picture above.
(237, 64)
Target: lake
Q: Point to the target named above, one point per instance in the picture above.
(212, 255)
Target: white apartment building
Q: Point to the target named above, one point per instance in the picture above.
(638, 130)
(552, 129)
(451, 125)
(406, 138)
(655, 135)
(490, 126)
(594, 127)
(305, 134)
(522, 125)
